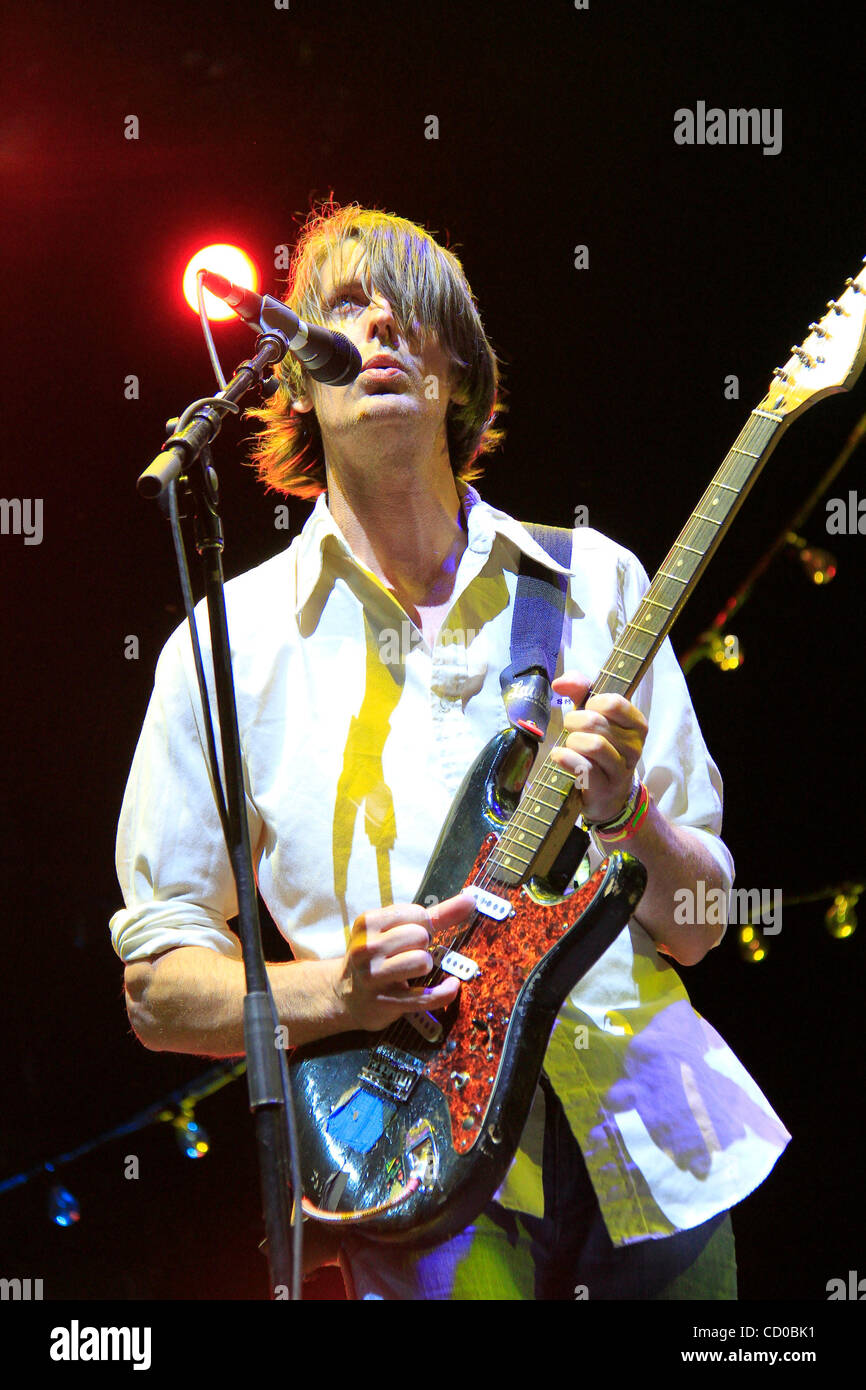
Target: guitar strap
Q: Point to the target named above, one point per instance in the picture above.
(536, 637)
(536, 631)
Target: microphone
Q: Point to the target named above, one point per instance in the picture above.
(328, 357)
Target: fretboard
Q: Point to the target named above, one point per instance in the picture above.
(689, 556)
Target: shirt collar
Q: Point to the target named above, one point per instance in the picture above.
(319, 531)
(483, 524)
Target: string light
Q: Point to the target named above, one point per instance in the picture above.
(176, 1109)
(753, 946)
(730, 655)
(192, 1139)
(722, 648)
(841, 919)
(819, 564)
(63, 1208)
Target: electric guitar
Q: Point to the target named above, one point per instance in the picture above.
(406, 1134)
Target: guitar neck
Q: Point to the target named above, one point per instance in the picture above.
(689, 556)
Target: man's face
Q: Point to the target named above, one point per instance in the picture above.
(406, 381)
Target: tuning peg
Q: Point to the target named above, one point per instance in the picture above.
(818, 330)
(805, 357)
(837, 308)
(852, 284)
(782, 375)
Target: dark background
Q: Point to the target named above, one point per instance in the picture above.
(555, 129)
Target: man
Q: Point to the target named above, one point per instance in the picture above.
(646, 1129)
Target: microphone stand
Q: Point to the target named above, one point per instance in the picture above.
(267, 1078)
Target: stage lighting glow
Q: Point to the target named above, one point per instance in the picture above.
(753, 947)
(192, 1139)
(63, 1208)
(841, 919)
(226, 260)
(819, 564)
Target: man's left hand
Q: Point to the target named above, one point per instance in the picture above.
(605, 741)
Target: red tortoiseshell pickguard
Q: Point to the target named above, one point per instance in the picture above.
(506, 953)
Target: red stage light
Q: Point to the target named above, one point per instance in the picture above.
(229, 261)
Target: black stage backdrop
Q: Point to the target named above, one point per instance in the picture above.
(554, 129)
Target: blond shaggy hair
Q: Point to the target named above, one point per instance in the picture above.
(428, 292)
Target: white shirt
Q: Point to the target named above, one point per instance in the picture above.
(355, 738)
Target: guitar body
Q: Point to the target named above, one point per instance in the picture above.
(417, 1132)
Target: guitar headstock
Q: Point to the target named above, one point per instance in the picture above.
(829, 359)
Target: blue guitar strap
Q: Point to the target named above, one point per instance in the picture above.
(536, 631)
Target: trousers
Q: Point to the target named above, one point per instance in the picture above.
(565, 1255)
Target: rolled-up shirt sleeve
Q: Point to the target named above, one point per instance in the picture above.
(172, 863)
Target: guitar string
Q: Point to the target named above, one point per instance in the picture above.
(757, 430)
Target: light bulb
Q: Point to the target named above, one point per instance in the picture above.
(63, 1208)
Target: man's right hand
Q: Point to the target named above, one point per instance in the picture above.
(388, 949)
(190, 999)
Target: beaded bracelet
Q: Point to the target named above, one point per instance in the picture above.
(615, 833)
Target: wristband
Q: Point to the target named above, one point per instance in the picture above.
(624, 830)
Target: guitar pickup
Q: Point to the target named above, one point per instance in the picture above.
(461, 966)
(425, 1024)
(489, 904)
